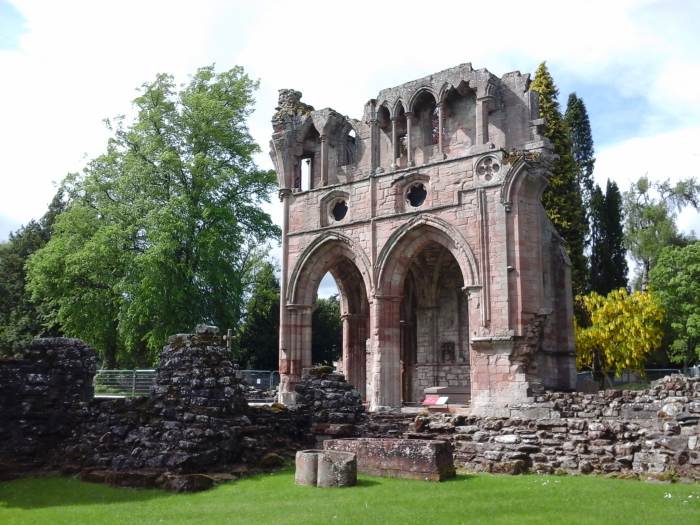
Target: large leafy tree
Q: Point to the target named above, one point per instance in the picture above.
(326, 334)
(608, 261)
(19, 320)
(562, 198)
(161, 229)
(259, 334)
(650, 220)
(624, 329)
(675, 279)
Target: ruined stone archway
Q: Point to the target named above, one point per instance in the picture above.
(337, 255)
(424, 271)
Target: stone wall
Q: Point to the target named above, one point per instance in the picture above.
(195, 420)
(39, 394)
(649, 434)
(334, 406)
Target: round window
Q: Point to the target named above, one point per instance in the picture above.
(416, 194)
(339, 210)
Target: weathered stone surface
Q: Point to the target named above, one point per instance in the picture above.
(400, 458)
(402, 217)
(306, 467)
(336, 469)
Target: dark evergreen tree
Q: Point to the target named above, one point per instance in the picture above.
(562, 198)
(576, 118)
(259, 335)
(19, 320)
(608, 261)
(326, 334)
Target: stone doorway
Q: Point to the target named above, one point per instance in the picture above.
(434, 324)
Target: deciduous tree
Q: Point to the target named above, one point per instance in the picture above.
(650, 220)
(259, 334)
(624, 329)
(675, 279)
(161, 229)
(327, 336)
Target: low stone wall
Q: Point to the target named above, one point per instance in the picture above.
(649, 434)
(195, 420)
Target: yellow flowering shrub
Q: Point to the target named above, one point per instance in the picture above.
(624, 329)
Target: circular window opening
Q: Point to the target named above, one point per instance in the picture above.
(340, 209)
(416, 195)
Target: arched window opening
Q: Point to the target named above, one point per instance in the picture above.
(326, 332)
(459, 118)
(425, 111)
(309, 173)
(401, 138)
(349, 147)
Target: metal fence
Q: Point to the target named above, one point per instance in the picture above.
(629, 377)
(123, 383)
(134, 383)
(260, 379)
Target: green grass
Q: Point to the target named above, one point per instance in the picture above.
(274, 499)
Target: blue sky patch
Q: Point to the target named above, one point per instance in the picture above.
(12, 25)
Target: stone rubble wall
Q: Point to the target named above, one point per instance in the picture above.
(647, 434)
(38, 396)
(334, 405)
(195, 420)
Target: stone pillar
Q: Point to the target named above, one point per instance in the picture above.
(354, 345)
(374, 145)
(394, 144)
(441, 153)
(385, 333)
(483, 104)
(324, 160)
(297, 356)
(409, 140)
(285, 388)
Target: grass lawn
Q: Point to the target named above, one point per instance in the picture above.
(274, 499)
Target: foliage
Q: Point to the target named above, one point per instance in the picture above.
(19, 320)
(650, 219)
(161, 230)
(259, 334)
(474, 499)
(576, 119)
(675, 280)
(608, 261)
(562, 198)
(326, 333)
(623, 330)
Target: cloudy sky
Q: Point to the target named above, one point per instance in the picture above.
(67, 65)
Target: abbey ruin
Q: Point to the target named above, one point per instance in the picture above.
(427, 212)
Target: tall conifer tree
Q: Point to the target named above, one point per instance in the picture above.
(562, 198)
(576, 118)
(608, 263)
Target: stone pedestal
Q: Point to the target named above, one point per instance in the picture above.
(325, 468)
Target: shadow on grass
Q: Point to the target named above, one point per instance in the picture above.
(54, 491)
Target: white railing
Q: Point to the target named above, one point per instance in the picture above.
(123, 383)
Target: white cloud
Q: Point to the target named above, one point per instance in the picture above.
(671, 155)
(80, 62)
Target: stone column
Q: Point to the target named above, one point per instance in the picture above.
(285, 357)
(297, 355)
(386, 352)
(394, 144)
(483, 105)
(324, 160)
(374, 145)
(441, 153)
(409, 140)
(354, 345)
